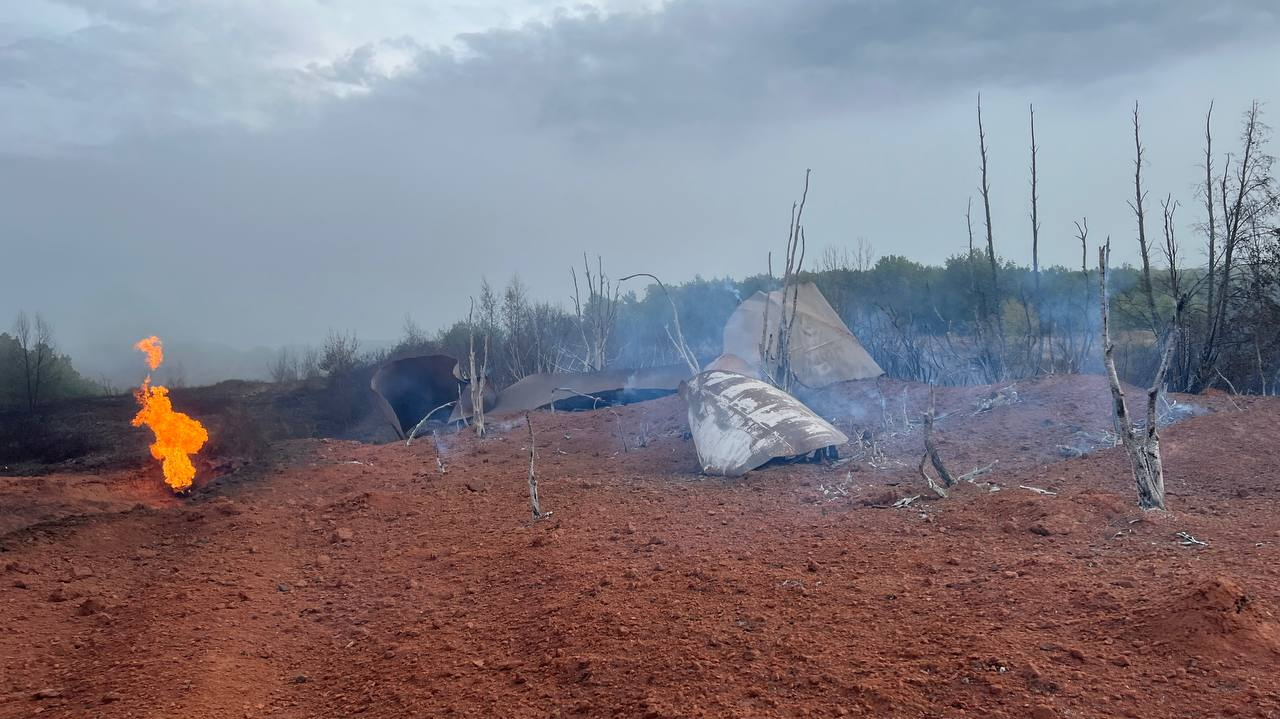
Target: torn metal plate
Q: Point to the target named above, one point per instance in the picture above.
(739, 423)
(823, 350)
(587, 390)
(408, 389)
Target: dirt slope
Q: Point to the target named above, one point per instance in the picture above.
(344, 579)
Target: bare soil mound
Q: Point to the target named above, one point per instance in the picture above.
(1213, 618)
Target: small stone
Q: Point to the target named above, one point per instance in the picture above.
(1010, 574)
(60, 595)
(242, 596)
(89, 606)
(343, 534)
(146, 553)
(323, 560)
(81, 572)
(812, 566)
(19, 584)
(283, 587)
(300, 679)
(49, 693)
(1043, 711)
(110, 697)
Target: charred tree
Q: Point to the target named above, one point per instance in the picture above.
(1143, 447)
(479, 374)
(1245, 194)
(597, 315)
(992, 314)
(775, 350)
(1038, 340)
(535, 504)
(1138, 205)
(931, 455)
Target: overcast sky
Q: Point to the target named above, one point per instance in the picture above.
(252, 172)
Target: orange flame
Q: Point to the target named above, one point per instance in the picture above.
(177, 435)
(153, 349)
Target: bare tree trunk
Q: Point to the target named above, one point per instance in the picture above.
(1139, 209)
(1210, 225)
(1086, 342)
(931, 455)
(534, 503)
(477, 381)
(994, 315)
(1035, 249)
(986, 206)
(1144, 451)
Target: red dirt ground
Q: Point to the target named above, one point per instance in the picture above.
(344, 579)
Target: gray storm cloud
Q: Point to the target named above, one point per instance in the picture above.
(242, 174)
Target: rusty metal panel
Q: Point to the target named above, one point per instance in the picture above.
(739, 423)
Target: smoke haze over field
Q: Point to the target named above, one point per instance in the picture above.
(274, 171)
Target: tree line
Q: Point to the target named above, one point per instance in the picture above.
(33, 373)
(977, 317)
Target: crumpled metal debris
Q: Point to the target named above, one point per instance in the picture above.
(588, 390)
(407, 390)
(738, 423)
(823, 349)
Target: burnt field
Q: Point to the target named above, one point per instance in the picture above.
(326, 577)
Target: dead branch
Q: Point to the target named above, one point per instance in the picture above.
(534, 502)
(975, 473)
(1037, 490)
(595, 402)
(682, 347)
(423, 421)
(435, 443)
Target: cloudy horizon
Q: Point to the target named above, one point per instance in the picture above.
(253, 174)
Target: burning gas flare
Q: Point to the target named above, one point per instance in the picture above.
(177, 435)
